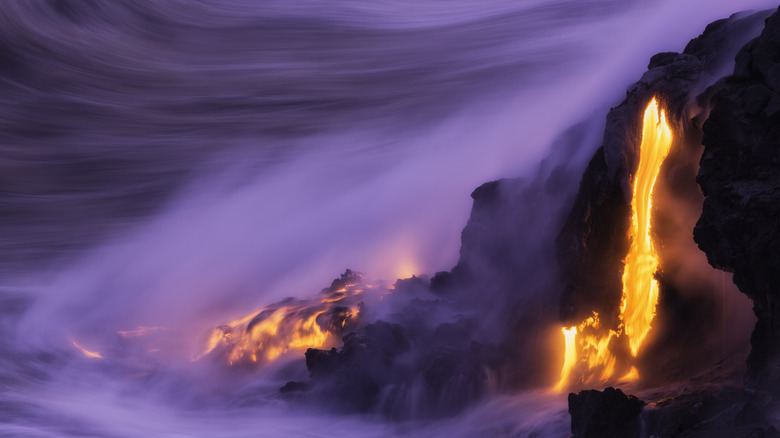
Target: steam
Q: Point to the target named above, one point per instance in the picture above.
(177, 166)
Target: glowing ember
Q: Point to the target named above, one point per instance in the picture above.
(291, 325)
(587, 348)
(87, 353)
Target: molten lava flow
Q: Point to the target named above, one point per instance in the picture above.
(640, 289)
(570, 358)
(291, 325)
(587, 351)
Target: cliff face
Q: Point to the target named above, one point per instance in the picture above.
(593, 242)
(739, 228)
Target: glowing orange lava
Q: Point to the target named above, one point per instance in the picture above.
(587, 350)
(291, 325)
(640, 289)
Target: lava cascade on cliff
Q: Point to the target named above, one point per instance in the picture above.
(290, 325)
(590, 353)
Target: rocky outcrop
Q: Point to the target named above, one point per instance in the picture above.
(739, 228)
(597, 414)
(353, 376)
(388, 369)
(722, 39)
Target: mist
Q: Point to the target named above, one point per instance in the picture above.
(177, 165)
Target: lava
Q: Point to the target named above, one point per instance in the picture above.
(570, 335)
(640, 289)
(587, 346)
(290, 325)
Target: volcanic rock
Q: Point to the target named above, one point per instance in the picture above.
(453, 379)
(723, 38)
(352, 376)
(377, 370)
(739, 228)
(596, 414)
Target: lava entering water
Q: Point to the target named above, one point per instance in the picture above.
(587, 348)
(290, 325)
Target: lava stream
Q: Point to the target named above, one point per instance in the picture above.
(587, 349)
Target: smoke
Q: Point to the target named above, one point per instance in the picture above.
(176, 165)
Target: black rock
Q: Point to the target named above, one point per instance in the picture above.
(721, 39)
(442, 282)
(379, 370)
(661, 59)
(604, 414)
(739, 228)
(350, 378)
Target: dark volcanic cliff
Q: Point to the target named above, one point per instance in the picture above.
(594, 240)
(739, 228)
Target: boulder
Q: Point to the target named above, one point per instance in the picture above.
(597, 414)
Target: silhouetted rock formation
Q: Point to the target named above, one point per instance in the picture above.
(739, 229)
(596, 414)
